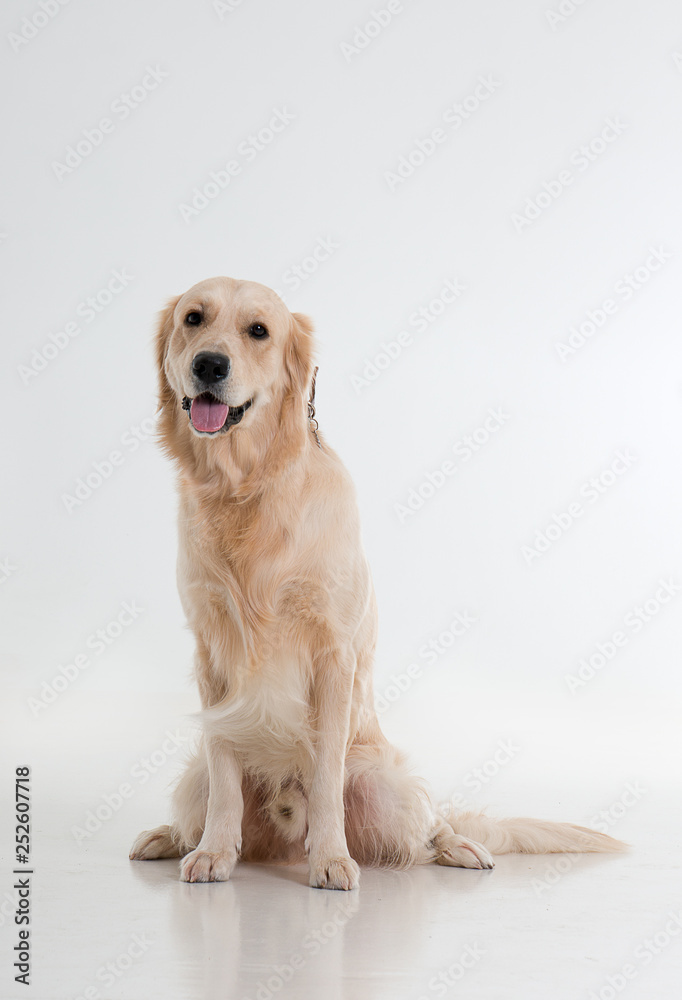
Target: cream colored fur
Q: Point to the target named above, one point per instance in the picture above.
(277, 591)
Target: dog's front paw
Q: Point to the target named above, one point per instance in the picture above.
(334, 873)
(207, 866)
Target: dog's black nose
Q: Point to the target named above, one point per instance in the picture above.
(210, 368)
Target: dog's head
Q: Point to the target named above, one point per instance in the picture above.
(228, 352)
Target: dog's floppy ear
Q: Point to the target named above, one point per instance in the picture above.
(298, 354)
(163, 333)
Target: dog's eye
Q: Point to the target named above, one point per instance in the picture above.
(193, 318)
(258, 331)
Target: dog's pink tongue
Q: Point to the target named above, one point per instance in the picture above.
(208, 414)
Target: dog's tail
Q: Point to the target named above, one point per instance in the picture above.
(531, 836)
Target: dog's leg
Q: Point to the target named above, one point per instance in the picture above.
(220, 844)
(331, 866)
(389, 816)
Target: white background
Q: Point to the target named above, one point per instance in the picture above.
(325, 177)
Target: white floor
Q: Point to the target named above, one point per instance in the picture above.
(535, 927)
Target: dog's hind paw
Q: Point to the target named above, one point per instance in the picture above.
(154, 844)
(458, 852)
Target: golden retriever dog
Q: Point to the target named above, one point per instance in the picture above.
(272, 576)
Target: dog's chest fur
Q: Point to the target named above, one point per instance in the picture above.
(261, 687)
(266, 716)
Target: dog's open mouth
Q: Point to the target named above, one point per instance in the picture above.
(210, 416)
